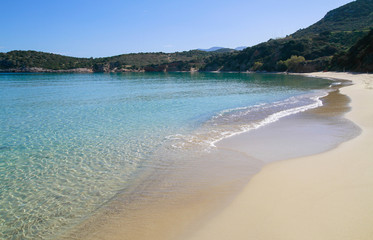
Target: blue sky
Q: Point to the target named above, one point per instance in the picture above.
(91, 28)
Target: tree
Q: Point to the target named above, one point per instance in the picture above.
(256, 66)
(292, 64)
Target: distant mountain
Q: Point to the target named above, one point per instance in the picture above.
(212, 49)
(240, 48)
(222, 49)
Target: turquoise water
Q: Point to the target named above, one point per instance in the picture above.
(70, 142)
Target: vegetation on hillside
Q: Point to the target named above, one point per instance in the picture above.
(333, 35)
(317, 51)
(358, 58)
(28, 59)
(357, 15)
(179, 61)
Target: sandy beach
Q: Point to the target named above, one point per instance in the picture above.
(323, 196)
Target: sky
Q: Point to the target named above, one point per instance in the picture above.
(92, 28)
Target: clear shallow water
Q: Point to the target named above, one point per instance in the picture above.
(70, 142)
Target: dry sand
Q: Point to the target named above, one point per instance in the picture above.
(325, 196)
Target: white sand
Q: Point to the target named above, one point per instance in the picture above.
(326, 196)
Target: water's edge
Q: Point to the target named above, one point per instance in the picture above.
(165, 215)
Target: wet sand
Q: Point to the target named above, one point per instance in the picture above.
(314, 131)
(323, 196)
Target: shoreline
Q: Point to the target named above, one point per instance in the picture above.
(190, 207)
(322, 196)
(325, 128)
(90, 70)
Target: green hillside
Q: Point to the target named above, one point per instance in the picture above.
(28, 59)
(337, 32)
(317, 50)
(357, 15)
(179, 61)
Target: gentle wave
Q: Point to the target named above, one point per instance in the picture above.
(231, 122)
(333, 84)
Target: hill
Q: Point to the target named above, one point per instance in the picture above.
(33, 59)
(178, 61)
(314, 46)
(350, 17)
(26, 61)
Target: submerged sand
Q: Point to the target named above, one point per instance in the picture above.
(323, 196)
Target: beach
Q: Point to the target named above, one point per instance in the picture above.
(259, 184)
(324, 196)
(163, 126)
(203, 176)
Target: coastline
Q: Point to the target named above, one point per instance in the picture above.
(322, 196)
(174, 215)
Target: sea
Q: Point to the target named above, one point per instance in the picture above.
(71, 143)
